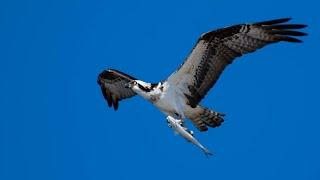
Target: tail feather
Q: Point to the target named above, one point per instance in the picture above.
(211, 118)
(202, 117)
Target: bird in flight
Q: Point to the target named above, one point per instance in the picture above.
(179, 96)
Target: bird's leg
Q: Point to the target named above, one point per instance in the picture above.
(181, 122)
(189, 131)
(168, 123)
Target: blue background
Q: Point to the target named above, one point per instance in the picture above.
(54, 122)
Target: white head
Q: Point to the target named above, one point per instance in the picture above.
(140, 87)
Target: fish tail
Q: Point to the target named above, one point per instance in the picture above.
(207, 152)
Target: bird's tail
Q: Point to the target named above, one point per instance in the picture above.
(202, 117)
(211, 118)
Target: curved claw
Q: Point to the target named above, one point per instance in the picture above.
(168, 123)
(190, 132)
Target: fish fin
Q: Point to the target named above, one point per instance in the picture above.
(207, 152)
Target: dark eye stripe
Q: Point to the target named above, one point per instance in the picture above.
(143, 88)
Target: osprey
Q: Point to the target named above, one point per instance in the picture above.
(180, 94)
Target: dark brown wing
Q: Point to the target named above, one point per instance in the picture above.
(216, 49)
(112, 83)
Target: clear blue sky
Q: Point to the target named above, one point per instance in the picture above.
(55, 125)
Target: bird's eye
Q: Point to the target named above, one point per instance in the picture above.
(135, 83)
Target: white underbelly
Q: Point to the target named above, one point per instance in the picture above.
(166, 107)
(169, 103)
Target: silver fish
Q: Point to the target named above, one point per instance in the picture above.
(176, 125)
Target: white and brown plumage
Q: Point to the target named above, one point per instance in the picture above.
(179, 96)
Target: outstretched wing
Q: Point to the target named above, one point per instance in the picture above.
(216, 49)
(112, 83)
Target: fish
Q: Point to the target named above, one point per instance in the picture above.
(182, 131)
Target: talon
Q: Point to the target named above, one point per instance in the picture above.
(190, 132)
(180, 122)
(169, 125)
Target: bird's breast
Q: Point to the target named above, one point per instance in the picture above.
(167, 103)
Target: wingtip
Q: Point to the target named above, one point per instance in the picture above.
(302, 25)
(115, 102)
(274, 21)
(291, 39)
(283, 32)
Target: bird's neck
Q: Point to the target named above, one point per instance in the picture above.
(150, 92)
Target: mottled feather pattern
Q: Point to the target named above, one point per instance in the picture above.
(112, 83)
(197, 122)
(216, 49)
(202, 118)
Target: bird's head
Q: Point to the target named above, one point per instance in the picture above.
(139, 86)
